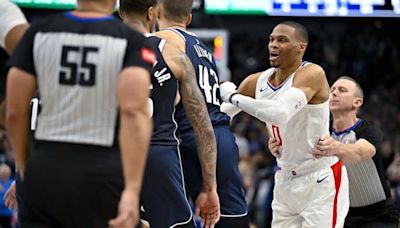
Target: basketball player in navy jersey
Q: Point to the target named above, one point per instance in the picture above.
(163, 196)
(66, 55)
(173, 18)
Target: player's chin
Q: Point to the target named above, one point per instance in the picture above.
(273, 64)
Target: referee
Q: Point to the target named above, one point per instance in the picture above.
(357, 143)
(92, 74)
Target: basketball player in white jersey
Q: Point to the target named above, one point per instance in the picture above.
(292, 99)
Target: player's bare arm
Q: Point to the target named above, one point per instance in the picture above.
(13, 37)
(196, 112)
(359, 151)
(20, 89)
(249, 84)
(13, 25)
(172, 38)
(312, 81)
(134, 123)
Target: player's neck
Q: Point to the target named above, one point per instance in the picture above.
(343, 121)
(138, 25)
(282, 73)
(170, 24)
(94, 9)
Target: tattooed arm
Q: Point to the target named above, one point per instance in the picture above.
(196, 111)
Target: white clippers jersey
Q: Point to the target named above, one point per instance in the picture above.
(300, 135)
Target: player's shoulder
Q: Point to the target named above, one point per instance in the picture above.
(172, 38)
(311, 70)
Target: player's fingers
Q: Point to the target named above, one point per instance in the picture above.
(119, 221)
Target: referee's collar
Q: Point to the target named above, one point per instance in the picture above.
(76, 18)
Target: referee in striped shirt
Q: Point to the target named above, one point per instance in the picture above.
(92, 74)
(358, 144)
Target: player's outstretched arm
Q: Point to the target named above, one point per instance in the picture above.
(281, 110)
(21, 86)
(134, 138)
(196, 111)
(247, 88)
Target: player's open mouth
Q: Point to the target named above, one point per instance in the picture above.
(273, 56)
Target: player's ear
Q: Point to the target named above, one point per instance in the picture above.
(303, 46)
(149, 14)
(188, 20)
(120, 13)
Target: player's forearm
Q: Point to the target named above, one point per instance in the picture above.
(278, 111)
(196, 111)
(197, 114)
(134, 139)
(18, 133)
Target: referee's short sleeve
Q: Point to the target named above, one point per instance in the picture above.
(22, 57)
(372, 134)
(138, 52)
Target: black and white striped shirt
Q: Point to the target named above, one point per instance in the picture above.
(76, 62)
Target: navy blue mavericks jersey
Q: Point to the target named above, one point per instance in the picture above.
(207, 79)
(163, 94)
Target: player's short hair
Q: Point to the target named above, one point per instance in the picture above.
(359, 92)
(176, 10)
(300, 30)
(136, 6)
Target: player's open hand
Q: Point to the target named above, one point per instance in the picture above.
(10, 198)
(226, 90)
(208, 207)
(128, 211)
(273, 146)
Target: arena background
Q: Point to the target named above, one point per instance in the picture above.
(357, 38)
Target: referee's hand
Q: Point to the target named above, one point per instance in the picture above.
(128, 211)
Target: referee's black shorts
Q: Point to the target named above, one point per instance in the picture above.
(71, 185)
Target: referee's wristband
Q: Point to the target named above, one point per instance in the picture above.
(230, 97)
